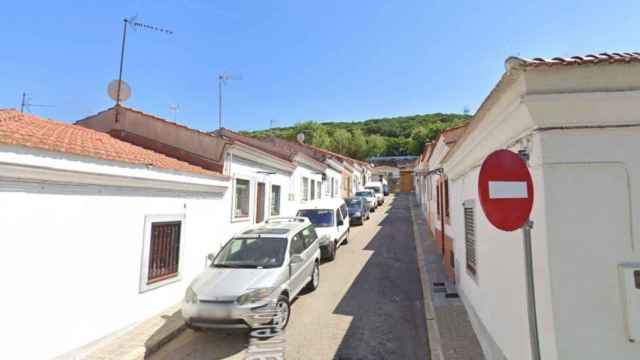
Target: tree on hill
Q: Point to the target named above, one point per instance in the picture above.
(403, 135)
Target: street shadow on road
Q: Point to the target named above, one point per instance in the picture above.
(220, 344)
(385, 300)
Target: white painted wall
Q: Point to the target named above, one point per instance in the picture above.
(337, 178)
(296, 184)
(585, 211)
(592, 198)
(256, 172)
(73, 253)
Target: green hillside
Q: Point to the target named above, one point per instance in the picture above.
(402, 135)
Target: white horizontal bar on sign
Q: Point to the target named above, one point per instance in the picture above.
(508, 190)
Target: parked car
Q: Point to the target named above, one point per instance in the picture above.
(370, 196)
(268, 263)
(331, 220)
(378, 189)
(358, 209)
(385, 186)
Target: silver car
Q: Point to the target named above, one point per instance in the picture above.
(264, 267)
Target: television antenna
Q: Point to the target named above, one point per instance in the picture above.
(26, 103)
(222, 80)
(134, 24)
(174, 109)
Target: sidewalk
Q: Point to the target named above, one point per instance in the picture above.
(140, 341)
(451, 336)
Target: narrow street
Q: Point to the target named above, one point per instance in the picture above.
(368, 306)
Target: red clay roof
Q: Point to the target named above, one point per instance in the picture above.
(151, 116)
(278, 151)
(453, 134)
(28, 130)
(615, 57)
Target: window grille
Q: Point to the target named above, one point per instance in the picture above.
(164, 255)
(470, 238)
(275, 200)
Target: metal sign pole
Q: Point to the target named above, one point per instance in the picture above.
(531, 291)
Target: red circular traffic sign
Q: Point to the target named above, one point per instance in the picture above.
(506, 190)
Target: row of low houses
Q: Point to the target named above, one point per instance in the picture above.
(577, 121)
(108, 220)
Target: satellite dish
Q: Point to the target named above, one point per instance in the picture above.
(300, 137)
(125, 90)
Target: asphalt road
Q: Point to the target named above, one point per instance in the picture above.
(368, 306)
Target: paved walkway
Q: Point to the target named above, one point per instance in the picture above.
(456, 339)
(139, 341)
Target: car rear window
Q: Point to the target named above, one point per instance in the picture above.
(318, 217)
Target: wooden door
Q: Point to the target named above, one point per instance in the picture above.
(260, 202)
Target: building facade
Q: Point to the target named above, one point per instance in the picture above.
(577, 121)
(104, 234)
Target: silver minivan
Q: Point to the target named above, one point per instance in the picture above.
(264, 266)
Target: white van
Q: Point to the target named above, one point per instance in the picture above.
(331, 220)
(378, 189)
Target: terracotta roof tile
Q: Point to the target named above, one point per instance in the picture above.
(278, 151)
(614, 57)
(452, 135)
(27, 130)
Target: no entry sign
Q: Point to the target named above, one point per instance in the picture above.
(506, 190)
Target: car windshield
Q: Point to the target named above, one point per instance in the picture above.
(354, 203)
(319, 218)
(375, 189)
(364, 193)
(258, 252)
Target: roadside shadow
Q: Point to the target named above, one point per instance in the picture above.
(385, 300)
(172, 339)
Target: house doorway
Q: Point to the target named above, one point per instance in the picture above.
(260, 202)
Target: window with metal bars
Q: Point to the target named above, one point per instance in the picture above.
(164, 251)
(438, 199)
(446, 199)
(470, 238)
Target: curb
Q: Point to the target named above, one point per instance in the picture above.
(433, 332)
(160, 342)
(138, 341)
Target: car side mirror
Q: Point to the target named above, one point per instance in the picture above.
(295, 259)
(211, 257)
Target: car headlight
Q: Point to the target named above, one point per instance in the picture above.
(254, 296)
(190, 297)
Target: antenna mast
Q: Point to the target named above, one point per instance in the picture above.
(222, 79)
(26, 103)
(134, 24)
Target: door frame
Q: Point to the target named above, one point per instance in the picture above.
(261, 187)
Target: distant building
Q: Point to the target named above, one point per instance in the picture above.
(396, 161)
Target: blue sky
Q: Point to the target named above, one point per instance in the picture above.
(299, 60)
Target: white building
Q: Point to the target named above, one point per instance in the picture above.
(306, 178)
(579, 121)
(101, 234)
(334, 177)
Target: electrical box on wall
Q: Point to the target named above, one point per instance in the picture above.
(630, 282)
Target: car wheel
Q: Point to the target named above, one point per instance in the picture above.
(283, 308)
(332, 251)
(315, 278)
